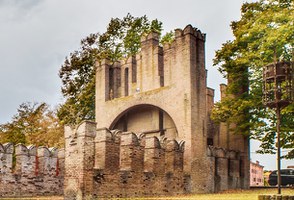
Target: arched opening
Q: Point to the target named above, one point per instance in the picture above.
(148, 119)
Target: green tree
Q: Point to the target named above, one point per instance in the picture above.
(35, 124)
(264, 34)
(121, 39)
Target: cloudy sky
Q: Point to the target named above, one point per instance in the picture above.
(36, 36)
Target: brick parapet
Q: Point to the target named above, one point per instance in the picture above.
(79, 146)
(125, 163)
(33, 172)
(227, 165)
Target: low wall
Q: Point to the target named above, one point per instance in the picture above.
(227, 169)
(103, 163)
(30, 171)
(111, 163)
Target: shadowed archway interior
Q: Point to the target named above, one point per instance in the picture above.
(147, 119)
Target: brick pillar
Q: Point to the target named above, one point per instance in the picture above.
(234, 170)
(25, 159)
(43, 155)
(131, 154)
(60, 156)
(6, 151)
(173, 157)
(152, 156)
(222, 170)
(211, 177)
(106, 151)
(25, 168)
(79, 161)
(131, 165)
(60, 169)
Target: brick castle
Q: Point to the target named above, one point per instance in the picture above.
(153, 135)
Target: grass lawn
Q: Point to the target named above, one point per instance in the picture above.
(251, 194)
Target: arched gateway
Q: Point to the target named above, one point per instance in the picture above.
(157, 122)
(164, 142)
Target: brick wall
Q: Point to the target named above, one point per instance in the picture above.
(121, 164)
(30, 171)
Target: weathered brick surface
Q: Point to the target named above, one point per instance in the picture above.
(146, 167)
(37, 171)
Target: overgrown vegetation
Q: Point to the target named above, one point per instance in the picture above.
(34, 123)
(121, 39)
(264, 34)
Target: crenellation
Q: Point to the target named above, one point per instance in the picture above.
(178, 32)
(189, 30)
(43, 154)
(174, 156)
(6, 154)
(152, 37)
(141, 169)
(8, 147)
(131, 155)
(60, 163)
(34, 172)
(227, 168)
(25, 159)
(153, 155)
(47, 161)
(86, 129)
(106, 150)
(150, 68)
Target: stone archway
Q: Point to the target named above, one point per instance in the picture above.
(148, 119)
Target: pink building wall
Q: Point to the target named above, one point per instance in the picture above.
(256, 174)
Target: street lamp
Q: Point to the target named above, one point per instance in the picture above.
(278, 92)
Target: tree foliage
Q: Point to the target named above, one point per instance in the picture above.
(35, 124)
(121, 39)
(264, 34)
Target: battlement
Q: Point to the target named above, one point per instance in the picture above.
(35, 170)
(157, 99)
(128, 164)
(122, 160)
(116, 150)
(228, 168)
(152, 67)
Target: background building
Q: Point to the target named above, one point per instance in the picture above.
(256, 174)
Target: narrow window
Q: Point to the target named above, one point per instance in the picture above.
(126, 81)
(111, 84)
(134, 70)
(161, 122)
(125, 122)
